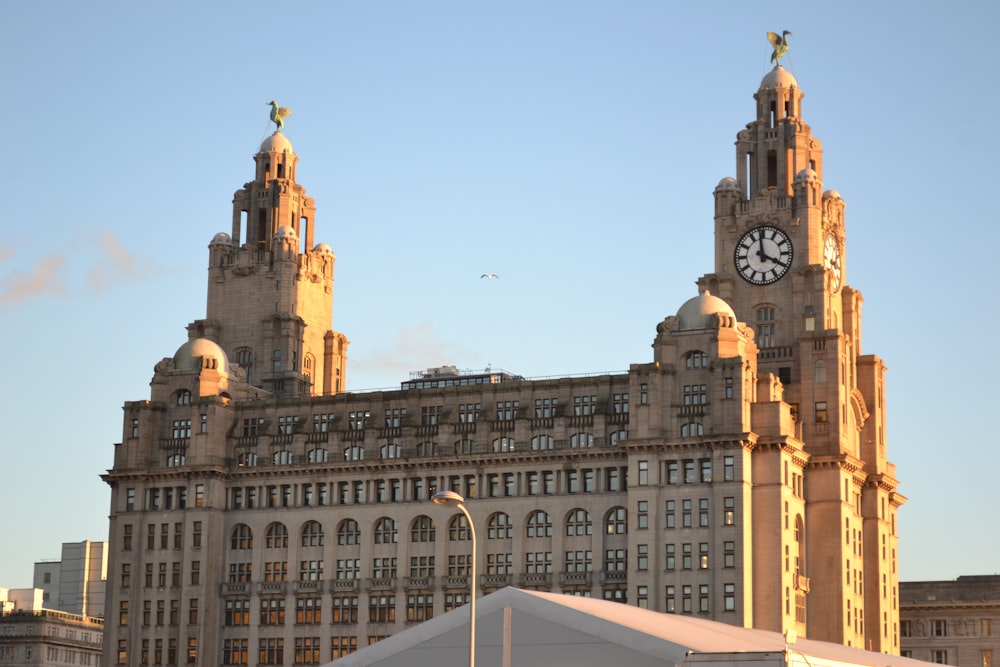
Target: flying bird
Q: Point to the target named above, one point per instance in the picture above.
(489, 276)
(780, 44)
(279, 114)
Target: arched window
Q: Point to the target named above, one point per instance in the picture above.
(540, 442)
(277, 536)
(696, 359)
(578, 522)
(427, 449)
(176, 460)
(354, 453)
(617, 436)
(539, 524)
(318, 455)
(184, 397)
(464, 446)
(242, 537)
(390, 451)
(581, 440)
(385, 531)
(692, 429)
(348, 532)
(422, 529)
(458, 528)
(499, 527)
(616, 521)
(284, 457)
(247, 460)
(503, 444)
(244, 359)
(312, 534)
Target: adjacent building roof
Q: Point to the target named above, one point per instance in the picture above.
(535, 629)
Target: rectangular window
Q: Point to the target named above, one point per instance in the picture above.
(382, 609)
(689, 476)
(584, 405)
(345, 609)
(821, 414)
(642, 556)
(643, 471)
(729, 597)
(939, 628)
(642, 514)
(272, 611)
(706, 470)
(419, 607)
(671, 520)
(341, 646)
(728, 468)
(672, 472)
(671, 600)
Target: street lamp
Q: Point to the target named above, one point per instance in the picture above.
(452, 499)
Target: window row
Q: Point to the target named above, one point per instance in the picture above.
(385, 530)
(487, 485)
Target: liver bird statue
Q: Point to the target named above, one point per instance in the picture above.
(279, 114)
(780, 44)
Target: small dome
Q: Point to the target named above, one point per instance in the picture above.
(285, 232)
(221, 238)
(193, 355)
(779, 77)
(728, 183)
(831, 194)
(276, 143)
(697, 313)
(807, 175)
(323, 249)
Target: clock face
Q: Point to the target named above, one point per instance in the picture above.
(763, 255)
(831, 260)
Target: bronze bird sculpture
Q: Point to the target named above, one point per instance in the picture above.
(780, 44)
(279, 114)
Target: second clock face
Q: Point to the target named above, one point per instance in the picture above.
(763, 255)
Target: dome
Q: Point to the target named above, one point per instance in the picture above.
(831, 194)
(276, 143)
(221, 238)
(697, 313)
(285, 232)
(323, 249)
(779, 77)
(807, 175)
(728, 183)
(200, 353)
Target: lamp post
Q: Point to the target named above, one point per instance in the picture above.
(452, 499)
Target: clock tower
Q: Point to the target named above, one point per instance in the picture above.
(780, 263)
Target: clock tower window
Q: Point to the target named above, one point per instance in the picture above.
(765, 327)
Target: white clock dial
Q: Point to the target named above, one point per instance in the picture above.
(763, 255)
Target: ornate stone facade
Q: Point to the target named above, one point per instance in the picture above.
(740, 474)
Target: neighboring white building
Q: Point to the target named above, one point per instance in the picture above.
(76, 583)
(536, 629)
(30, 634)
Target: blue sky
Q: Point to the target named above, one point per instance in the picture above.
(570, 147)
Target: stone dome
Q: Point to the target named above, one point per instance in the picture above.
(221, 238)
(285, 232)
(779, 77)
(193, 355)
(697, 313)
(323, 249)
(831, 194)
(276, 143)
(728, 183)
(807, 175)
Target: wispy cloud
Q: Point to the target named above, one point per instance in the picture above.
(46, 277)
(113, 265)
(412, 349)
(104, 263)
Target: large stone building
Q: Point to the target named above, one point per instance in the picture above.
(261, 512)
(951, 622)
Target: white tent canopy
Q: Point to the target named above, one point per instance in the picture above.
(522, 628)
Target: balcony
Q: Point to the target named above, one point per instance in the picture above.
(343, 585)
(456, 582)
(614, 577)
(576, 578)
(272, 587)
(419, 583)
(382, 584)
(536, 580)
(308, 586)
(491, 581)
(241, 588)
